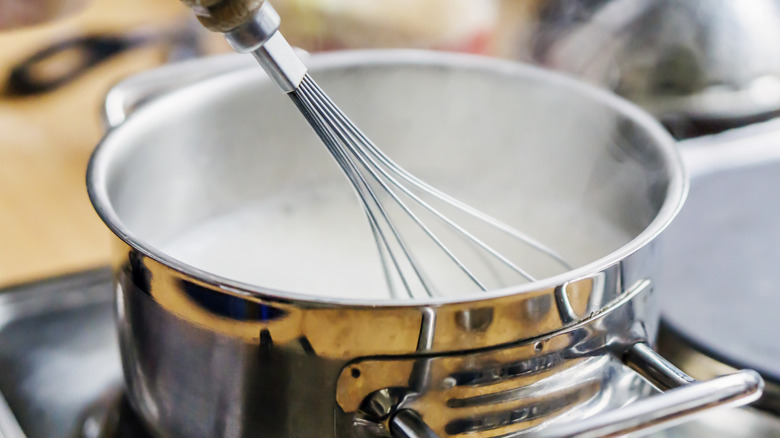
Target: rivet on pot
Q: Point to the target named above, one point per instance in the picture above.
(448, 383)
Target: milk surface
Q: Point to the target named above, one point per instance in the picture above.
(315, 242)
(318, 242)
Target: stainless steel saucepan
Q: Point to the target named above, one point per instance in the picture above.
(221, 337)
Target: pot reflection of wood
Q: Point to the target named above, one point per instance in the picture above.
(345, 332)
(47, 225)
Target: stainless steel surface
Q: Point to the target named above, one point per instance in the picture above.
(701, 362)
(616, 183)
(98, 409)
(493, 392)
(260, 35)
(659, 411)
(135, 91)
(720, 279)
(58, 353)
(654, 368)
(282, 352)
(460, 402)
(703, 59)
(407, 424)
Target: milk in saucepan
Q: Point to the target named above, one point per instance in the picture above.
(304, 242)
(318, 242)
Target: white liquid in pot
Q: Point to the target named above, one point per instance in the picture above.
(313, 242)
(318, 242)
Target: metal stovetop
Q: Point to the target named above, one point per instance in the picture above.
(58, 353)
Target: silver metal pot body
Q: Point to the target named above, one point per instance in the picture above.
(210, 356)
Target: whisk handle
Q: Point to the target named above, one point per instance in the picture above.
(253, 26)
(223, 15)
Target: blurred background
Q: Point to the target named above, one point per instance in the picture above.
(59, 59)
(50, 120)
(699, 66)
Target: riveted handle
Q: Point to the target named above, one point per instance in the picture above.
(677, 405)
(685, 397)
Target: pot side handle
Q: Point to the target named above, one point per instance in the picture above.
(130, 94)
(124, 98)
(685, 397)
(737, 148)
(127, 96)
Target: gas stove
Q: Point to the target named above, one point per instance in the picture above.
(62, 375)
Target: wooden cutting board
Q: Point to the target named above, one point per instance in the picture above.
(47, 225)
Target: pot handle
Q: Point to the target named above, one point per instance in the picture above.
(685, 397)
(128, 95)
(131, 93)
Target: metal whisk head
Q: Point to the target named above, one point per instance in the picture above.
(386, 190)
(389, 194)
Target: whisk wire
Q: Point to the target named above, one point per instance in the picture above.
(356, 155)
(365, 193)
(367, 151)
(422, 185)
(353, 151)
(351, 172)
(325, 105)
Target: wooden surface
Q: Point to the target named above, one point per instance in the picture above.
(47, 225)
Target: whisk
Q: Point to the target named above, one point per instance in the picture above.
(384, 188)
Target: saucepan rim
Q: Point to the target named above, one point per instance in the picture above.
(676, 192)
